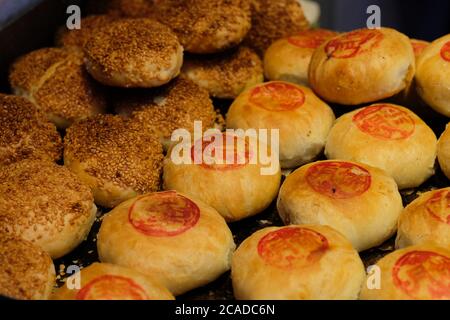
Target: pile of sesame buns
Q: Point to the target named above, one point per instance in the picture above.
(161, 127)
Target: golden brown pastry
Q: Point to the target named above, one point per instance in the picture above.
(443, 151)
(389, 137)
(26, 271)
(115, 158)
(227, 74)
(426, 220)
(288, 58)
(134, 53)
(414, 273)
(46, 204)
(181, 241)
(361, 202)
(303, 120)
(303, 262)
(206, 26)
(273, 20)
(104, 281)
(419, 46)
(224, 171)
(362, 66)
(25, 133)
(55, 80)
(165, 109)
(78, 38)
(432, 76)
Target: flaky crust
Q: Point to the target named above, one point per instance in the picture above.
(115, 158)
(303, 130)
(288, 59)
(134, 53)
(332, 272)
(46, 204)
(273, 20)
(414, 273)
(408, 156)
(362, 66)
(366, 217)
(433, 75)
(55, 80)
(425, 220)
(123, 284)
(235, 192)
(182, 261)
(25, 133)
(206, 26)
(227, 74)
(26, 271)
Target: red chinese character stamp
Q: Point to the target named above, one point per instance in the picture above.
(277, 96)
(338, 180)
(292, 247)
(385, 122)
(111, 287)
(351, 44)
(423, 274)
(163, 214)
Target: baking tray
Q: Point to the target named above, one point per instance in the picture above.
(36, 29)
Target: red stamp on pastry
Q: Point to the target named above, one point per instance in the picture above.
(222, 152)
(423, 274)
(163, 214)
(438, 206)
(292, 247)
(385, 122)
(418, 46)
(277, 96)
(354, 43)
(445, 52)
(311, 39)
(338, 180)
(112, 287)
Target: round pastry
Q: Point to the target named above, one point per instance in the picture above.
(56, 81)
(303, 119)
(26, 271)
(25, 133)
(361, 202)
(273, 20)
(134, 53)
(443, 151)
(432, 76)
(206, 26)
(104, 281)
(227, 74)
(46, 204)
(362, 66)
(226, 172)
(288, 58)
(115, 158)
(121, 8)
(78, 38)
(415, 273)
(388, 137)
(165, 109)
(426, 220)
(186, 243)
(303, 262)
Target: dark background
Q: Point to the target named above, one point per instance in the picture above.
(421, 19)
